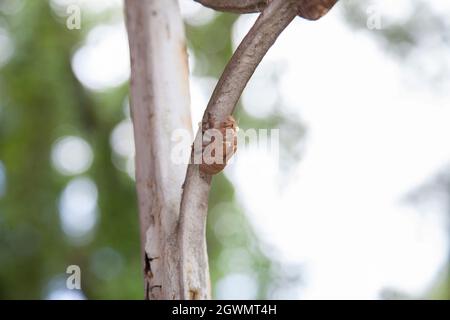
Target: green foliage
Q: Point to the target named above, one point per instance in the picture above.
(42, 101)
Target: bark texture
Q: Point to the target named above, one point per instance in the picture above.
(307, 9)
(194, 207)
(173, 213)
(159, 104)
(236, 6)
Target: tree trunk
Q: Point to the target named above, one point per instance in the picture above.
(159, 104)
(173, 221)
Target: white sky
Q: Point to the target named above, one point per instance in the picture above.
(371, 139)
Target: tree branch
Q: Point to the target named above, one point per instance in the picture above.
(235, 6)
(308, 9)
(173, 226)
(194, 205)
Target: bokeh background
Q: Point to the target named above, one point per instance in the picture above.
(356, 205)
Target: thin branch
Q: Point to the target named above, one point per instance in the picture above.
(308, 9)
(235, 6)
(272, 21)
(194, 205)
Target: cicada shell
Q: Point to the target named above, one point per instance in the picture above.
(227, 132)
(315, 9)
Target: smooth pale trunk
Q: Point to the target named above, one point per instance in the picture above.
(160, 105)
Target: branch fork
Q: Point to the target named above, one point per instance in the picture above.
(173, 225)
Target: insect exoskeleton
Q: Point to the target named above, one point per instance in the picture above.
(219, 138)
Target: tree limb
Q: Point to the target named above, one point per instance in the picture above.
(194, 205)
(235, 6)
(308, 9)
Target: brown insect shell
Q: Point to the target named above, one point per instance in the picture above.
(229, 145)
(315, 9)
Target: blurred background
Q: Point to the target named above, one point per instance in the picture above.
(356, 206)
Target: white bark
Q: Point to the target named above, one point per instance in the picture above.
(160, 104)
